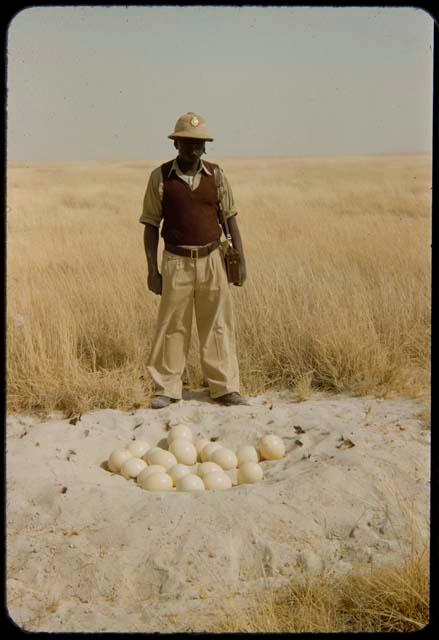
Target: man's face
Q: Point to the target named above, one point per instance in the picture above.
(190, 150)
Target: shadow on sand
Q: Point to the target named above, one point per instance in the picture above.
(200, 395)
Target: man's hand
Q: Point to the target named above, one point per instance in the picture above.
(150, 241)
(242, 273)
(155, 282)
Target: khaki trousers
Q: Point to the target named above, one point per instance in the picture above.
(199, 283)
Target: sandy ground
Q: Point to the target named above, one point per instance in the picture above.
(90, 551)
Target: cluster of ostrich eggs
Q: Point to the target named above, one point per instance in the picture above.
(193, 464)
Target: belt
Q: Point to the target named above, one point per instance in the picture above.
(193, 253)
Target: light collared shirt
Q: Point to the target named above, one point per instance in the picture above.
(152, 202)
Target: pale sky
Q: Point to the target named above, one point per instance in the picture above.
(108, 83)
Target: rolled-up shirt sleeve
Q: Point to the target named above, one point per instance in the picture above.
(152, 201)
(227, 199)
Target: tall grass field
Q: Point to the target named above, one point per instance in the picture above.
(338, 253)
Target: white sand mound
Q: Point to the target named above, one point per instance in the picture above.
(88, 550)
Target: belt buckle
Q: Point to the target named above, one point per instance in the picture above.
(194, 254)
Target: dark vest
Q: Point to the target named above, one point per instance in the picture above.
(189, 217)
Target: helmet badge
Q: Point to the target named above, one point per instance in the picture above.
(194, 121)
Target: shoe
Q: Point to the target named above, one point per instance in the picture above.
(231, 399)
(159, 402)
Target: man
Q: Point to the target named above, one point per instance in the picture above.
(183, 195)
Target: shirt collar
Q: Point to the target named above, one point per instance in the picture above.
(176, 168)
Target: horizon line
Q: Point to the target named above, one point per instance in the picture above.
(231, 156)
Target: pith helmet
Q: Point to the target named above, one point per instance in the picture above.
(191, 125)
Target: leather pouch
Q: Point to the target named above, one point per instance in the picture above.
(232, 260)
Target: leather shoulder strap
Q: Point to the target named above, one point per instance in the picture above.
(218, 182)
(166, 167)
(217, 174)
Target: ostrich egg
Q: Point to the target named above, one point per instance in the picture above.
(183, 450)
(249, 473)
(225, 458)
(132, 467)
(247, 453)
(233, 475)
(207, 467)
(157, 482)
(178, 471)
(160, 456)
(271, 447)
(217, 480)
(149, 470)
(138, 448)
(199, 446)
(180, 431)
(117, 458)
(207, 451)
(189, 482)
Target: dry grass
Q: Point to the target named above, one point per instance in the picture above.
(338, 254)
(385, 598)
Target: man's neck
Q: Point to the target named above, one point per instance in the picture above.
(188, 168)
